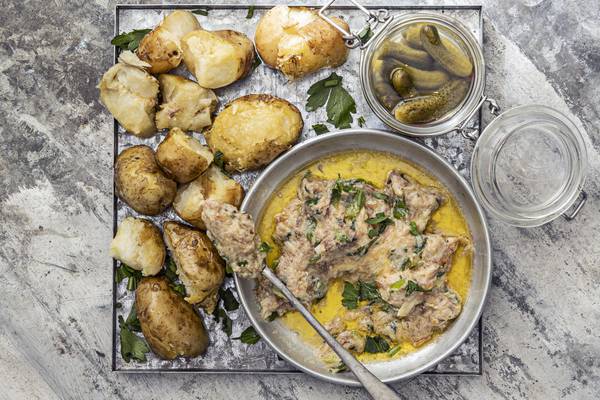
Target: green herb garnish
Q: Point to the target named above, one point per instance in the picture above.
(132, 346)
(361, 121)
(201, 12)
(229, 301)
(413, 229)
(340, 105)
(381, 196)
(218, 159)
(365, 34)
(400, 210)
(249, 336)
(312, 201)
(394, 350)
(376, 344)
(179, 288)
(264, 247)
(412, 286)
(399, 284)
(368, 291)
(130, 40)
(133, 276)
(350, 296)
(250, 12)
(342, 237)
(377, 219)
(320, 129)
(358, 201)
(222, 317)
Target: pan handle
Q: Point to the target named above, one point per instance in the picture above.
(368, 32)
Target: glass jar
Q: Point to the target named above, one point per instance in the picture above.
(529, 164)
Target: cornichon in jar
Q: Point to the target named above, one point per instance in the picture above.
(412, 35)
(402, 83)
(447, 54)
(407, 54)
(381, 82)
(432, 107)
(426, 80)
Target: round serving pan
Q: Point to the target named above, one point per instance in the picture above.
(286, 342)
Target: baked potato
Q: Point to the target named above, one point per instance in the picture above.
(182, 157)
(141, 183)
(139, 244)
(254, 129)
(199, 266)
(161, 47)
(297, 41)
(130, 94)
(213, 184)
(185, 104)
(171, 326)
(217, 58)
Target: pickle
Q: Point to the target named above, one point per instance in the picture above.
(402, 83)
(434, 106)
(446, 53)
(381, 83)
(407, 54)
(412, 35)
(426, 80)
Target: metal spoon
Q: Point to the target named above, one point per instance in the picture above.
(376, 388)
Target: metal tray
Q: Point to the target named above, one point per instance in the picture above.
(224, 354)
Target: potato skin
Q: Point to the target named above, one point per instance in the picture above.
(213, 184)
(171, 326)
(199, 265)
(185, 104)
(182, 157)
(296, 41)
(254, 129)
(140, 182)
(217, 58)
(139, 244)
(161, 47)
(130, 94)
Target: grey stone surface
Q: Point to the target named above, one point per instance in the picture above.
(541, 337)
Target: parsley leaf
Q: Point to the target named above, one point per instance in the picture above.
(130, 40)
(200, 12)
(229, 301)
(399, 284)
(368, 291)
(361, 121)
(394, 350)
(350, 296)
(132, 346)
(400, 210)
(413, 229)
(340, 105)
(250, 12)
(249, 336)
(264, 247)
(358, 201)
(132, 322)
(376, 344)
(320, 129)
(221, 316)
(365, 34)
(133, 276)
(412, 286)
(218, 159)
(377, 219)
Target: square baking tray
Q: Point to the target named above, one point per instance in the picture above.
(224, 354)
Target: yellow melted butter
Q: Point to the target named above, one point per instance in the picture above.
(373, 167)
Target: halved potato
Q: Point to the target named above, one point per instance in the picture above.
(182, 157)
(130, 94)
(296, 41)
(185, 105)
(140, 182)
(213, 184)
(254, 129)
(198, 264)
(161, 47)
(217, 58)
(171, 326)
(139, 244)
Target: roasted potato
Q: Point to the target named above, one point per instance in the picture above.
(139, 244)
(254, 129)
(217, 58)
(130, 94)
(140, 182)
(198, 264)
(296, 41)
(182, 157)
(161, 47)
(171, 326)
(185, 104)
(213, 184)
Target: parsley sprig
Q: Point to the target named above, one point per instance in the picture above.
(132, 346)
(130, 40)
(339, 104)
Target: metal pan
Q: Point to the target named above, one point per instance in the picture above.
(285, 341)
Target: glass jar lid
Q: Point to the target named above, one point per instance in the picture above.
(528, 166)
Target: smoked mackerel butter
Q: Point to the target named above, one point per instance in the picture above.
(225, 354)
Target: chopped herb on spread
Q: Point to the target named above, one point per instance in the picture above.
(350, 296)
(413, 229)
(412, 286)
(357, 204)
(264, 247)
(376, 344)
(400, 210)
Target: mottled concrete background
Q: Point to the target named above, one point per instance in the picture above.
(541, 323)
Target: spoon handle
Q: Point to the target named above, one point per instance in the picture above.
(376, 388)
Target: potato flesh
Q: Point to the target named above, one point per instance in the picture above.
(182, 156)
(130, 94)
(296, 41)
(217, 58)
(161, 48)
(254, 129)
(138, 244)
(211, 185)
(198, 264)
(186, 105)
(170, 325)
